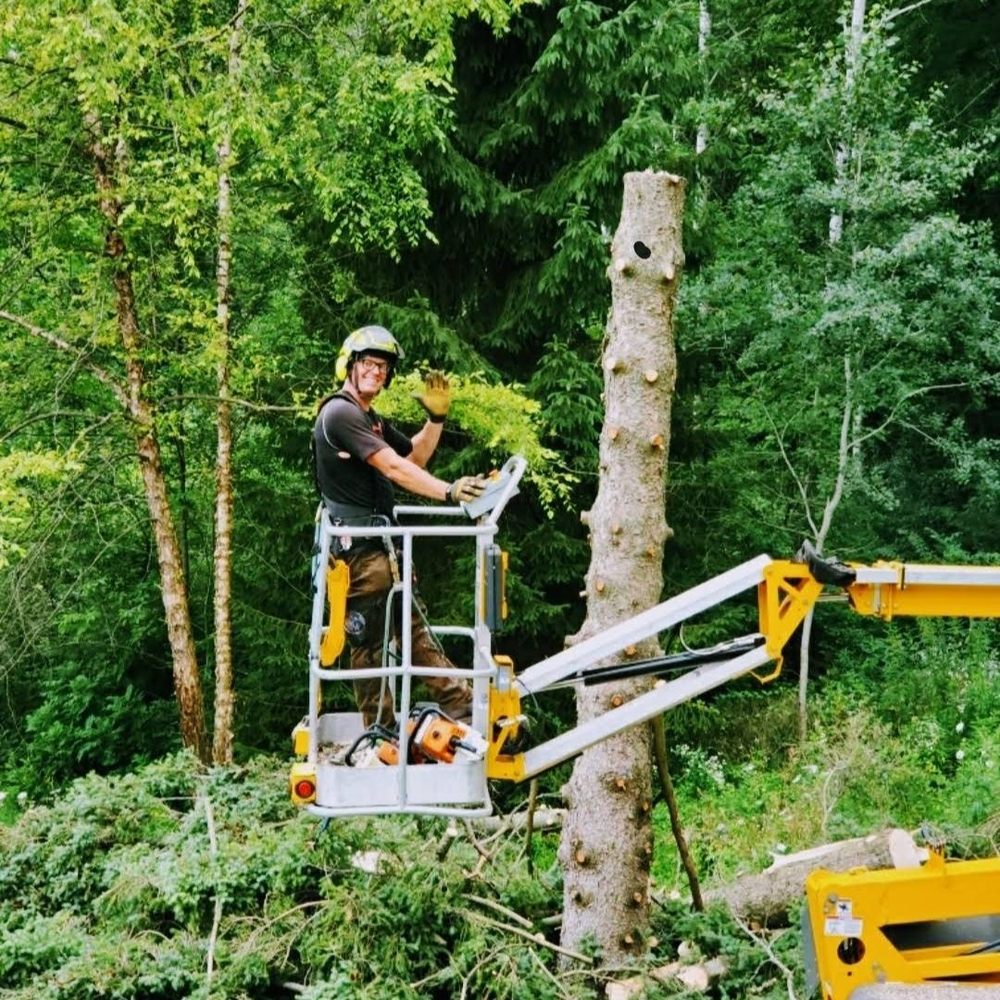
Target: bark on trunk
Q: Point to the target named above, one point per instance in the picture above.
(766, 897)
(108, 169)
(222, 742)
(819, 541)
(704, 33)
(607, 844)
(182, 518)
(852, 53)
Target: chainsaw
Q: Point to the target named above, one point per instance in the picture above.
(432, 737)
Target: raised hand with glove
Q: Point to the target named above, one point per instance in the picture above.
(435, 397)
(466, 488)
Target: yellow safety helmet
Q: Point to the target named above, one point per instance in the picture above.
(368, 339)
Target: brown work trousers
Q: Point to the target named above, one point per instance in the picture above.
(371, 581)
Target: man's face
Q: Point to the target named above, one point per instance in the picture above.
(370, 373)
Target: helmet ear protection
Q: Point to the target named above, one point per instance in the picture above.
(376, 339)
(341, 368)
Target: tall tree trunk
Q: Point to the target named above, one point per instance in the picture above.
(704, 33)
(607, 843)
(182, 519)
(108, 172)
(852, 53)
(222, 742)
(819, 539)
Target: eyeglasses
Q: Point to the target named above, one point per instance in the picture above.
(374, 365)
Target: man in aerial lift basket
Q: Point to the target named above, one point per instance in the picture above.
(358, 458)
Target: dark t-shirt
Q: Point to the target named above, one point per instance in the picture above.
(344, 438)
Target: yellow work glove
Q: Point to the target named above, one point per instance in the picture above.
(466, 488)
(436, 397)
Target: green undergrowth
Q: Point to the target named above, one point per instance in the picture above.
(852, 777)
(907, 735)
(172, 883)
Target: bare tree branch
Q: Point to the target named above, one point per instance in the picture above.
(204, 37)
(213, 848)
(899, 402)
(900, 11)
(803, 492)
(52, 414)
(538, 939)
(63, 345)
(762, 943)
(233, 401)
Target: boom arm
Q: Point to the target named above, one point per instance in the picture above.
(786, 592)
(891, 589)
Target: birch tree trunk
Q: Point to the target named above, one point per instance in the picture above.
(819, 539)
(108, 171)
(606, 845)
(704, 33)
(222, 738)
(852, 53)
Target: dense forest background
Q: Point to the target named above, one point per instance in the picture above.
(453, 170)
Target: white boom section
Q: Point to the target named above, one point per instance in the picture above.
(656, 619)
(642, 709)
(915, 574)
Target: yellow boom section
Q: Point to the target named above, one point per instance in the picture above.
(784, 598)
(889, 589)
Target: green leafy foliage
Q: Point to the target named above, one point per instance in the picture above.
(499, 420)
(150, 82)
(457, 178)
(905, 735)
(23, 475)
(125, 886)
(130, 886)
(891, 328)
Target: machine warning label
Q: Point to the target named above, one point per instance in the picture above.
(842, 922)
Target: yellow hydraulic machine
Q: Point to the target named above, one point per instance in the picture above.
(939, 922)
(786, 591)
